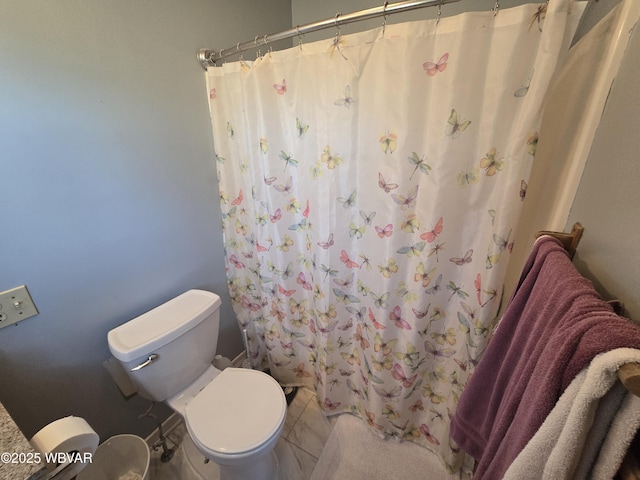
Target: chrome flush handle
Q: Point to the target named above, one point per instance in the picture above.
(150, 359)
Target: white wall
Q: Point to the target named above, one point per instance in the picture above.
(110, 201)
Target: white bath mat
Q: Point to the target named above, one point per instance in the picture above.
(353, 452)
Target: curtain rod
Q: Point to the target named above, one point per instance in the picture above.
(208, 57)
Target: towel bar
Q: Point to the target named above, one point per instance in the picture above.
(628, 374)
(569, 240)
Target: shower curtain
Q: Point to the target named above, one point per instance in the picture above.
(370, 185)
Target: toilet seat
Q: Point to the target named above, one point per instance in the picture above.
(236, 413)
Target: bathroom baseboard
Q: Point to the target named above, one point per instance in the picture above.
(241, 357)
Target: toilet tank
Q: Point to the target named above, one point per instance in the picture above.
(165, 349)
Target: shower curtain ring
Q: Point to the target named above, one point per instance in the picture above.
(439, 13)
(384, 16)
(210, 56)
(266, 42)
(255, 42)
(299, 36)
(496, 8)
(338, 33)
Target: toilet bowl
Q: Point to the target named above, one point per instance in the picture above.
(233, 417)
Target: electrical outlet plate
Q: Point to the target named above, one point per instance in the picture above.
(16, 305)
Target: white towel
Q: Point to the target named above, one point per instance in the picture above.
(588, 432)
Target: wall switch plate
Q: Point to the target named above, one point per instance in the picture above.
(16, 305)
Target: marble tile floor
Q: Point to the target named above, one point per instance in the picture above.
(303, 437)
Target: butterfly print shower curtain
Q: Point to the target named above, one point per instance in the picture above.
(370, 186)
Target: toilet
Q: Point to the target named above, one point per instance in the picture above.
(233, 417)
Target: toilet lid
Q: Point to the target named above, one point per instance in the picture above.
(237, 412)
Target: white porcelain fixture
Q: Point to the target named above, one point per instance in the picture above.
(233, 417)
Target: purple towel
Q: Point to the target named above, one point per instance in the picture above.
(553, 326)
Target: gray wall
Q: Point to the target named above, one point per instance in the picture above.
(110, 201)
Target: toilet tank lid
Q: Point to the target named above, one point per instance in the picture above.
(154, 329)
